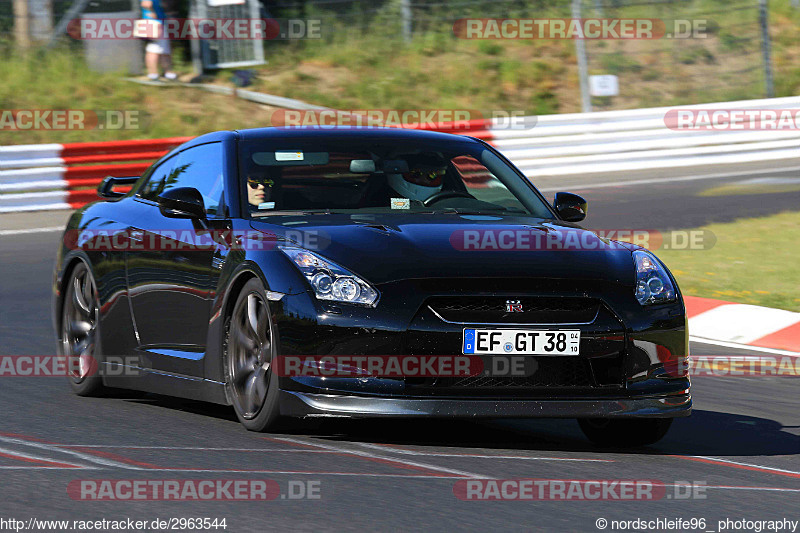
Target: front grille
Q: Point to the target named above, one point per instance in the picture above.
(549, 372)
(535, 310)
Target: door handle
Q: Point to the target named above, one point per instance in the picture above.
(136, 235)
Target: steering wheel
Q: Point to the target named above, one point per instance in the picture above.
(441, 195)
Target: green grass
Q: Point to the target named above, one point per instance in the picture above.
(753, 261)
(60, 79)
(434, 71)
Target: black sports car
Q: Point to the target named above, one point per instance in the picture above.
(294, 271)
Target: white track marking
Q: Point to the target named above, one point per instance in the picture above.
(477, 456)
(729, 487)
(25, 231)
(384, 458)
(745, 464)
(651, 181)
(726, 344)
(43, 467)
(196, 448)
(37, 458)
(85, 456)
(295, 473)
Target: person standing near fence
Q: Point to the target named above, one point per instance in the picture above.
(158, 51)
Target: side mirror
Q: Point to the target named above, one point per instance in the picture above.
(570, 207)
(182, 202)
(106, 187)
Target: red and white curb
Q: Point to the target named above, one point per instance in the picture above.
(743, 326)
(48, 177)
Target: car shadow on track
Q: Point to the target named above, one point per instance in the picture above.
(703, 433)
(213, 410)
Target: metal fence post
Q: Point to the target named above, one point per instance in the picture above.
(195, 45)
(22, 31)
(405, 15)
(583, 74)
(766, 50)
(41, 17)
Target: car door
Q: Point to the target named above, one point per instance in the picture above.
(171, 272)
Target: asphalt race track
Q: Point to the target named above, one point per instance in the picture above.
(742, 441)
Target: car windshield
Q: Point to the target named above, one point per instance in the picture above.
(381, 175)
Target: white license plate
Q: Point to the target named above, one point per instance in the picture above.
(522, 342)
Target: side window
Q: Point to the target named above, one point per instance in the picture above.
(157, 180)
(200, 167)
(482, 184)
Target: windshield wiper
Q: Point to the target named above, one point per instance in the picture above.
(325, 211)
(461, 211)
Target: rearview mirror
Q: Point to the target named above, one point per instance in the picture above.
(362, 166)
(182, 202)
(106, 187)
(570, 207)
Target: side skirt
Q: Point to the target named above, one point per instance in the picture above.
(148, 380)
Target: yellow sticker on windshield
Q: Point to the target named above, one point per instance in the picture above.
(401, 203)
(288, 156)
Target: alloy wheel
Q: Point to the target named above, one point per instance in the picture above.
(79, 326)
(250, 354)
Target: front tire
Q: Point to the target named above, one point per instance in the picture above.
(248, 355)
(80, 333)
(624, 432)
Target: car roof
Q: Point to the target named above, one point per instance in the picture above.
(347, 132)
(310, 132)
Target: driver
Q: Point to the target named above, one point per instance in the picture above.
(422, 181)
(259, 191)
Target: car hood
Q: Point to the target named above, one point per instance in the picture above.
(388, 248)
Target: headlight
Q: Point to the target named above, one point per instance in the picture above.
(653, 285)
(329, 280)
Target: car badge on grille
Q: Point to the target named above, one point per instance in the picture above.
(513, 306)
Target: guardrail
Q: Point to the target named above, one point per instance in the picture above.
(639, 139)
(63, 176)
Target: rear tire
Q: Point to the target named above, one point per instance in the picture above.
(79, 343)
(624, 432)
(248, 355)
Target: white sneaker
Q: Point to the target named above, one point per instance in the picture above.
(171, 76)
(152, 77)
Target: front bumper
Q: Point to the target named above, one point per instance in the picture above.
(302, 404)
(620, 373)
